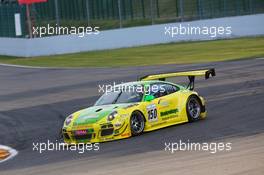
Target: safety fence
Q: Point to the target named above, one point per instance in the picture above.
(110, 14)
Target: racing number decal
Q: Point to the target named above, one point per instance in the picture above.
(152, 113)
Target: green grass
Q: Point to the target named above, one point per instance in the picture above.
(173, 53)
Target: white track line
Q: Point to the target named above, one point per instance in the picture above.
(28, 67)
(36, 67)
(12, 151)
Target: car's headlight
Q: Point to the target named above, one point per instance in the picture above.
(112, 116)
(68, 120)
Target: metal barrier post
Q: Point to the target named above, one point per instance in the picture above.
(143, 9)
(29, 21)
(151, 12)
(199, 9)
(88, 12)
(157, 6)
(181, 10)
(57, 12)
(120, 13)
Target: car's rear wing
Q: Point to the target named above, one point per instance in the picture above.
(207, 73)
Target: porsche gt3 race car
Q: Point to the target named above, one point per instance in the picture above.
(136, 107)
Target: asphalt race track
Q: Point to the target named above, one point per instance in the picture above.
(34, 102)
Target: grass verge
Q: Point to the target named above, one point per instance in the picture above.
(173, 53)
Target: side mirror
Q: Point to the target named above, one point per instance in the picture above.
(149, 97)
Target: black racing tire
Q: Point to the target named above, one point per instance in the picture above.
(193, 108)
(137, 123)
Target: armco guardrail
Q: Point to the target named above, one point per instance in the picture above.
(250, 25)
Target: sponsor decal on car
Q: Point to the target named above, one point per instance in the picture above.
(79, 127)
(164, 103)
(130, 106)
(169, 112)
(106, 138)
(81, 132)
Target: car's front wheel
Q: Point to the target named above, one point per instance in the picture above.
(193, 108)
(137, 123)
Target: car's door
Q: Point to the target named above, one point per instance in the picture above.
(160, 109)
(170, 114)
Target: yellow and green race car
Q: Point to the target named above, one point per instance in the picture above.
(133, 108)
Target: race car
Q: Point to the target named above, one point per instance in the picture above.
(132, 108)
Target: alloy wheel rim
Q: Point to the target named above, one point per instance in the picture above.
(136, 124)
(194, 108)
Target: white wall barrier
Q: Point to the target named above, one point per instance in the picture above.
(251, 25)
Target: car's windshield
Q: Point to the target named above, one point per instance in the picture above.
(116, 97)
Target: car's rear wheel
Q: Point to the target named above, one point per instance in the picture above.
(193, 108)
(137, 123)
